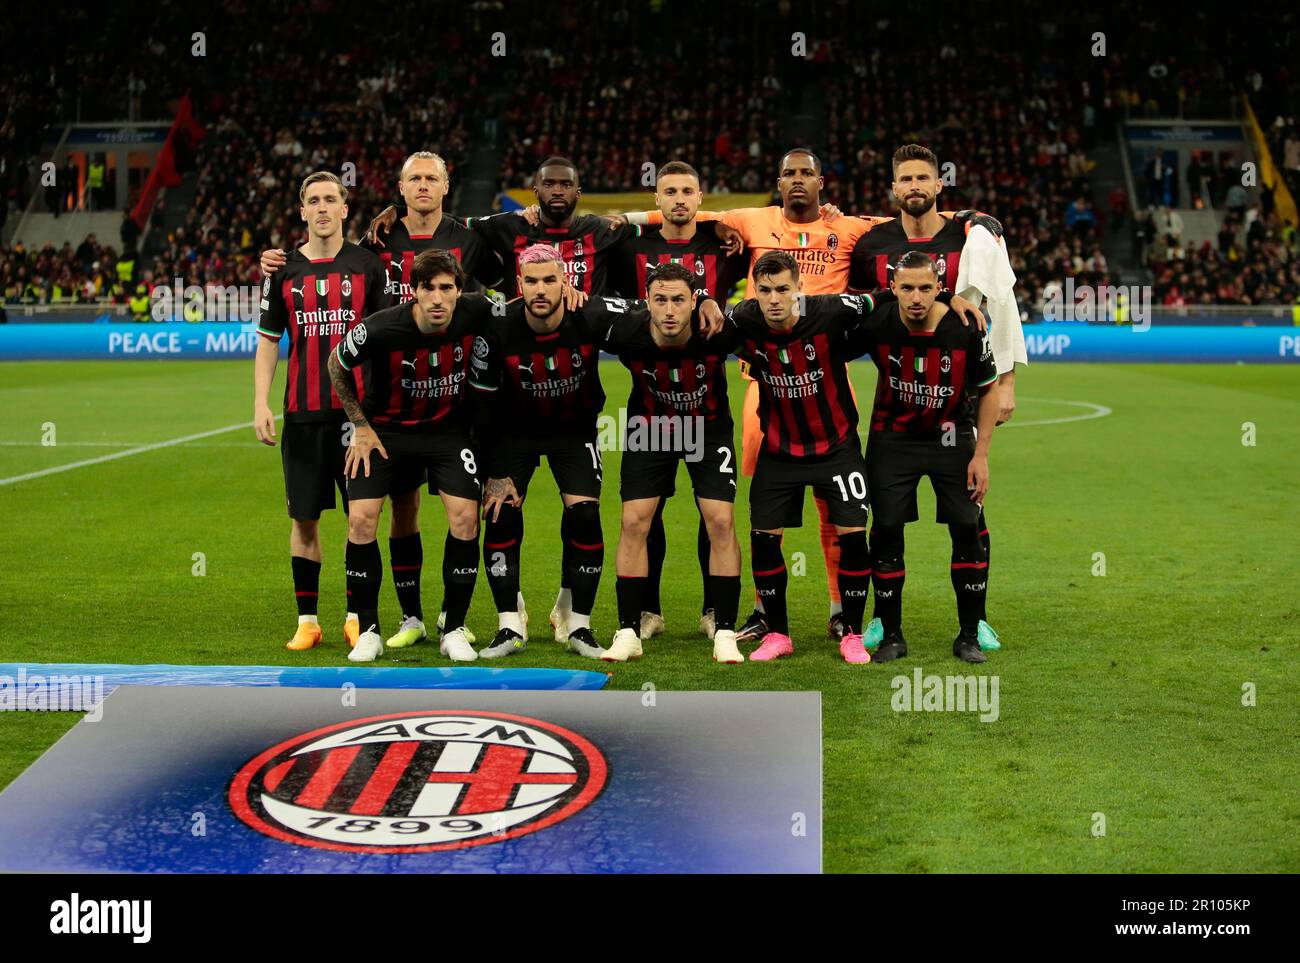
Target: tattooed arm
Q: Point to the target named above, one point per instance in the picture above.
(364, 439)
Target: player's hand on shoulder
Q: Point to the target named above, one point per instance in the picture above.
(272, 260)
(616, 222)
(382, 224)
(573, 297)
(978, 219)
(532, 214)
(830, 212)
(710, 316)
(732, 242)
(968, 313)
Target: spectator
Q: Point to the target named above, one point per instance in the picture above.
(1080, 217)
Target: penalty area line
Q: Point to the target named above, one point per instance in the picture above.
(139, 450)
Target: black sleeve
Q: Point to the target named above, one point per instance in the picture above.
(985, 370)
(861, 276)
(622, 270)
(273, 317)
(377, 296)
(481, 262)
(359, 344)
(735, 267)
(865, 336)
(488, 408)
(498, 233)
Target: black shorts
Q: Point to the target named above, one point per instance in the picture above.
(839, 477)
(445, 459)
(312, 454)
(574, 460)
(895, 464)
(711, 463)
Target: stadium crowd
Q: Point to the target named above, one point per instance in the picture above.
(606, 91)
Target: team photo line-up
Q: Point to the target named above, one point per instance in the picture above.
(399, 376)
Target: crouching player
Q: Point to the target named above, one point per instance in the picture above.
(415, 420)
(935, 409)
(677, 410)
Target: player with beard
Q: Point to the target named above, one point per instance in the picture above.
(326, 286)
(539, 363)
(713, 270)
(677, 410)
(413, 424)
(936, 381)
(920, 227)
(424, 183)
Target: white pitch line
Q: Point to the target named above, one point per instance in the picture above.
(126, 444)
(170, 443)
(1097, 411)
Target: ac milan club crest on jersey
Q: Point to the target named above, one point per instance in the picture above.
(832, 242)
(458, 353)
(413, 782)
(945, 363)
(346, 287)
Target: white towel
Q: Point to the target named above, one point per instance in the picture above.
(985, 274)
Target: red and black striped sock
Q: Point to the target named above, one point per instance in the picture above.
(406, 557)
(501, 541)
(887, 576)
(581, 532)
(770, 578)
(459, 574)
(970, 576)
(854, 578)
(306, 584)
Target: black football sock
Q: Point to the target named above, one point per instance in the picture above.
(406, 559)
(656, 547)
(365, 572)
(969, 576)
(501, 539)
(459, 573)
(306, 584)
(724, 594)
(988, 557)
(887, 576)
(630, 590)
(770, 578)
(580, 530)
(704, 549)
(854, 579)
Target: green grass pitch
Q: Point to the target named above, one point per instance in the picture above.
(1120, 694)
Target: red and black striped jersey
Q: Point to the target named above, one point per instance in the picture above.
(585, 246)
(805, 405)
(415, 382)
(401, 246)
(871, 265)
(317, 301)
(685, 380)
(714, 272)
(927, 379)
(543, 383)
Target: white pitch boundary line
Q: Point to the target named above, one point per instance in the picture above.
(126, 444)
(1097, 411)
(141, 449)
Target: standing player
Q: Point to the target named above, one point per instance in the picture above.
(713, 271)
(413, 424)
(677, 410)
(326, 285)
(796, 347)
(821, 247)
(920, 227)
(423, 182)
(540, 362)
(933, 373)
